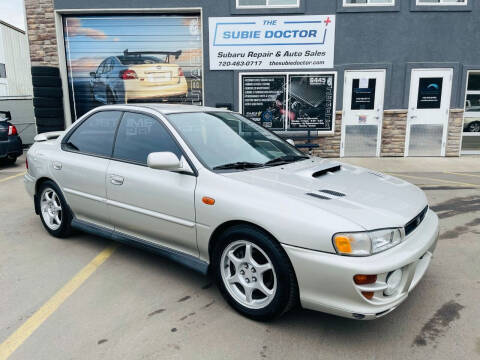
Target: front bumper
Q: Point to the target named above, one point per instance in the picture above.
(326, 280)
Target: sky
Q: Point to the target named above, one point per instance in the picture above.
(12, 12)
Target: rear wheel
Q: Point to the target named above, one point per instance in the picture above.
(254, 274)
(11, 159)
(54, 211)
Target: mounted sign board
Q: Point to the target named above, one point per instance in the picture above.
(289, 101)
(272, 42)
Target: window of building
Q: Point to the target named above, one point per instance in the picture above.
(140, 135)
(471, 121)
(368, 2)
(3, 72)
(96, 134)
(441, 2)
(245, 4)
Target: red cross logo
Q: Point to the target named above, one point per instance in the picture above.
(328, 21)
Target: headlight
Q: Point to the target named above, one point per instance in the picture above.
(368, 242)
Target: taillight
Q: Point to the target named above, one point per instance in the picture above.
(180, 72)
(26, 162)
(128, 75)
(12, 130)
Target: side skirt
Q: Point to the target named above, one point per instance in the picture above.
(179, 257)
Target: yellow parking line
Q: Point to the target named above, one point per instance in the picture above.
(12, 177)
(461, 174)
(42, 314)
(433, 179)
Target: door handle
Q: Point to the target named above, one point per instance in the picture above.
(116, 180)
(57, 165)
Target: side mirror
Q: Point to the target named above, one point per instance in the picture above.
(291, 142)
(167, 161)
(93, 74)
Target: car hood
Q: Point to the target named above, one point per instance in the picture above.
(368, 198)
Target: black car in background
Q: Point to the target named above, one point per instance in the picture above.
(10, 142)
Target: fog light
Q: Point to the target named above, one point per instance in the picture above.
(393, 282)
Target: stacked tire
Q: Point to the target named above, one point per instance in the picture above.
(47, 99)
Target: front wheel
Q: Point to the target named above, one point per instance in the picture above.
(254, 273)
(54, 211)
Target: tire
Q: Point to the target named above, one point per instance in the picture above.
(45, 71)
(474, 126)
(48, 92)
(50, 122)
(51, 112)
(110, 97)
(60, 226)
(279, 281)
(46, 81)
(43, 102)
(10, 160)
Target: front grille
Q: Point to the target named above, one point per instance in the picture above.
(415, 222)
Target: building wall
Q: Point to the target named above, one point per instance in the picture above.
(14, 49)
(397, 39)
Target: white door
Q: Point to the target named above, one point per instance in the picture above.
(428, 112)
(363, 112)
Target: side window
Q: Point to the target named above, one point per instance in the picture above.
(96, 134)
(101, 67)
(140, 135)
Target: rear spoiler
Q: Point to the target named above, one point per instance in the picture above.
(7, 116)
(48, 136)
(172, 53)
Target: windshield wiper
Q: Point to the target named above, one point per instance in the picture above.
(238, 165)
(285, 160)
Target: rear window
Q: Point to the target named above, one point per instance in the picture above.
(96, 134)
(141, 60)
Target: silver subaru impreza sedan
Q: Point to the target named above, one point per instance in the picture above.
(219, 193)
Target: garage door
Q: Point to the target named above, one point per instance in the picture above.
(120, 59)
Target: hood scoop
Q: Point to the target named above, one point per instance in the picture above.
(334, 193)
(322, 172)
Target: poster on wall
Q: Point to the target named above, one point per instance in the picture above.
(289, 101)
(272, 42)
(311, 102)
(263, 99)
(430, 93)
(120, 59)
(363, 94)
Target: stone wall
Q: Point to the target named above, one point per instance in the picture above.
(394, 130)
(330, 144)
(455, 130)
(41, 32)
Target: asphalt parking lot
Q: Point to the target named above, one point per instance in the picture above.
(56, 303)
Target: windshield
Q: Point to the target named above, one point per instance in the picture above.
(220, 138)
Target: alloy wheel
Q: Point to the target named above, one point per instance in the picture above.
(51, 209)
(248, 274)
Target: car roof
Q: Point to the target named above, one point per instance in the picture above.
(166, 109)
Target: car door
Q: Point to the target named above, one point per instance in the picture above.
(80, 168)
(156, 206)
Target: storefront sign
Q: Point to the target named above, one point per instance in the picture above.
(281, 42)
(308, 104)
(430, 93)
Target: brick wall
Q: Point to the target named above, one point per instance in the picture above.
(41, 32)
